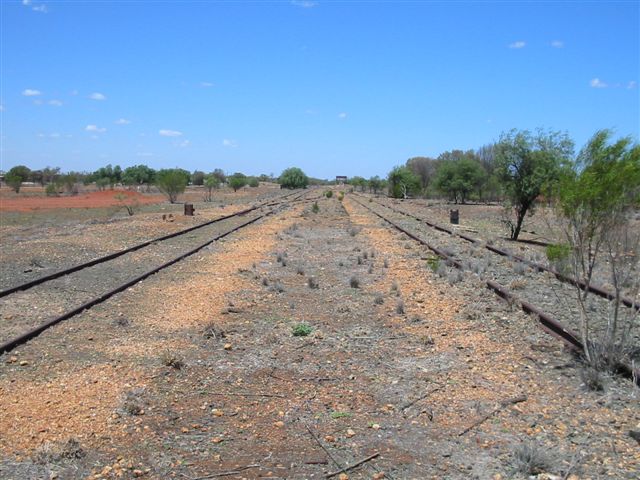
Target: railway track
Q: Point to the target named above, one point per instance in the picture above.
(88, 284)
(551, 304)
(596, 289)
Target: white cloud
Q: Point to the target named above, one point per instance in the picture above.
(518, 44)
(169, 133)
(122, 121)
(206, 84)
(54, 135)
(97, 96)
(74, 92)
(95, 128)
(42, 8)
(55, 103)
(26, 2)
(28, 92)
(342, 115)
(304, 3)
(229, 143)
(597, 83)
(184, 143)
(557, 44)
(632, 84)
(1, 108)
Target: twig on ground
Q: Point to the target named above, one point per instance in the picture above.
(503, 405)
(274, 395)
(322, 446)
(351, 467)
(227, 473)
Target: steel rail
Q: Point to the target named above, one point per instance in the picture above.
(111, 256)
(31, 334)
(598, 290)
(548, 323)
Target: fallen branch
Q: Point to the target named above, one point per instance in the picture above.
(227, 473)
(503, 405)
(407, 405)
(351, 467)
(322, 446)
(274, 395)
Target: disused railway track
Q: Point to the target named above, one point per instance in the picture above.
(44, 286)
(545, 319)
(596, 289)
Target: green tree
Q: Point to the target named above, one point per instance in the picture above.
(211, 181)
(403, 182)
(138, 175)
(527, 165)
(237, 181)
(253, 182)
(16, 176)
(375, 184)
(458, 178)
(197, 177)
(219, 174)
(293, 177)
(172, 182)
(596, 201)
(425, 168)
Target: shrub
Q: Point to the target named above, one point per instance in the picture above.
(312, 282)
(378, 299)
(354, 282)
(293, 178)
(301, 329)
(170, 359)
(172, 182)
(400, 307)
(328, 193)
(529, 459)
(315, 208)
(341, 196)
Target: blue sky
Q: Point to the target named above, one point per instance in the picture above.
(349, 88)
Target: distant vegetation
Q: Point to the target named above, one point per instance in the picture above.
(293, 178)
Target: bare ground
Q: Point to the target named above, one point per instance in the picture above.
(441, 380)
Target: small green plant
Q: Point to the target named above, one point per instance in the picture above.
(337, 415)
(328, 193)
(400, 307)
(312, 282)
(592, 378)
(315, 208)
(341, 196)
(354, 282)
(301, 329)
(378, 299)
(434, 263)
(558, 256)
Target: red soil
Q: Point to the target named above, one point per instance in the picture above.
(107, 198)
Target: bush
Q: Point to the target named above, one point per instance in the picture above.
(315, 208)
(293, 178)
(328, 193)
(354, 281)
(237, 181)
(172, 182)
(51, 190)
(301, 329)
(253, 182)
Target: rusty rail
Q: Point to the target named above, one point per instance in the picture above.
(25, 337)
(111, 256)
(548, 323)
(598, 290)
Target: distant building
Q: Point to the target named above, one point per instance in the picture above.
(341, 179)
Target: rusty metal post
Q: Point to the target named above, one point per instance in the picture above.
(188, 209)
